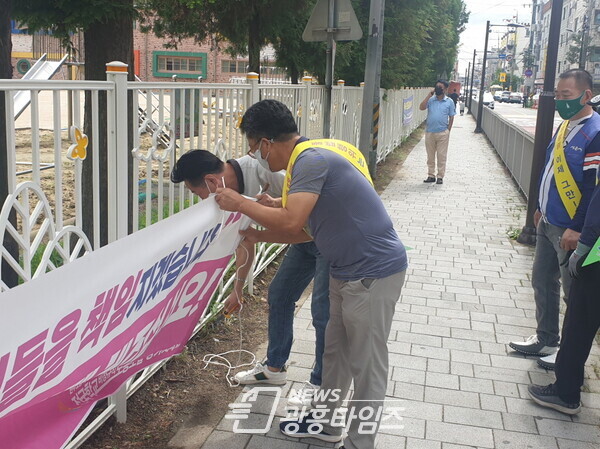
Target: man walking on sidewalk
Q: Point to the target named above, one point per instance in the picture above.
(440, 117)
(582, 320)
(566, 187)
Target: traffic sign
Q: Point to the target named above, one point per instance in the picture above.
(346, 26)
(509, 58)
(502, 77)
(502, 55)
(528, 73)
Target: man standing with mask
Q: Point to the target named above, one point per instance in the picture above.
(566, 187)
(440, 117)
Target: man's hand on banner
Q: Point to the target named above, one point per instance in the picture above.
(229, 199)
(569, 239)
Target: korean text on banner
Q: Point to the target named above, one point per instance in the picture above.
(76, 334)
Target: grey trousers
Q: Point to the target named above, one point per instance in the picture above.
(360, 319)
(546, 278)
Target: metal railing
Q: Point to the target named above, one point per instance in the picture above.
(513, 145)
(172, 118)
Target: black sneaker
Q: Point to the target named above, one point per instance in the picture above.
(307, 427)
(548, 397)
(439, 181)
(533, 346)
(429, 179)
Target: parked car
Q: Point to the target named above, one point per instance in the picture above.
(488, 100)
(505, 96)
(516, 97)
(497, 95)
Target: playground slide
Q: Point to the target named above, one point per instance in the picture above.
(41, 70)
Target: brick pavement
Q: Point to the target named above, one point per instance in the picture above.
(467, 294)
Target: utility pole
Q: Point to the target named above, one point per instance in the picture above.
(472, 78)
(369, 126)
(330, 59)
(466, 89)
(478, 128)
(544, 124)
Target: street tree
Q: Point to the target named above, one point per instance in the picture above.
(579, 51)
(108, 36)
(420, 42)
(245, 24)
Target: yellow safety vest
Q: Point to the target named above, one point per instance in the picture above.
(344, 149)
(570, 195)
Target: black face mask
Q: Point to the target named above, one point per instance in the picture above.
(439, 91)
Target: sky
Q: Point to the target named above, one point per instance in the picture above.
(496, 11)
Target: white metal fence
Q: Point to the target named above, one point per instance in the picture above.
(513, 145)
(47, 199)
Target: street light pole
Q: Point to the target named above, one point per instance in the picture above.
(466, 89)
(478, 128)
(584, 30)
(472, 78)
(544, 124)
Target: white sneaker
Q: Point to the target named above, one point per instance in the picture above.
(261, 374)
(548, 362)
(533, 346)
(303, 396)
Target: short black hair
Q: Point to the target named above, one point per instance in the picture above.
(194, 165)
(444, 82)
(582, 77)
(270, 119)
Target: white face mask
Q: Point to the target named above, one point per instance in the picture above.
(210, 193)
(258, 156)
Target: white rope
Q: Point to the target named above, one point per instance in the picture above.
(221, 359)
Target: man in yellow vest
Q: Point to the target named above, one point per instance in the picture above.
(328, 194)
(566, 187)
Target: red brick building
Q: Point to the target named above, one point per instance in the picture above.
(153, 61)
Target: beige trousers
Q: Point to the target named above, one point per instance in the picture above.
(436, 144)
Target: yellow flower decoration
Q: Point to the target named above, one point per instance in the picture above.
(239, 115)
(80, 142)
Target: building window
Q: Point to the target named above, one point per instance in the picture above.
(597, 17)
(595, 54)
(185, 65)
(229, 66)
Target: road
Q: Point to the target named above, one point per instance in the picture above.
(525, 118)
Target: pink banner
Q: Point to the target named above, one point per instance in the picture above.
(96, 333)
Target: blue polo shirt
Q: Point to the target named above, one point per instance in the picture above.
(438, 112)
